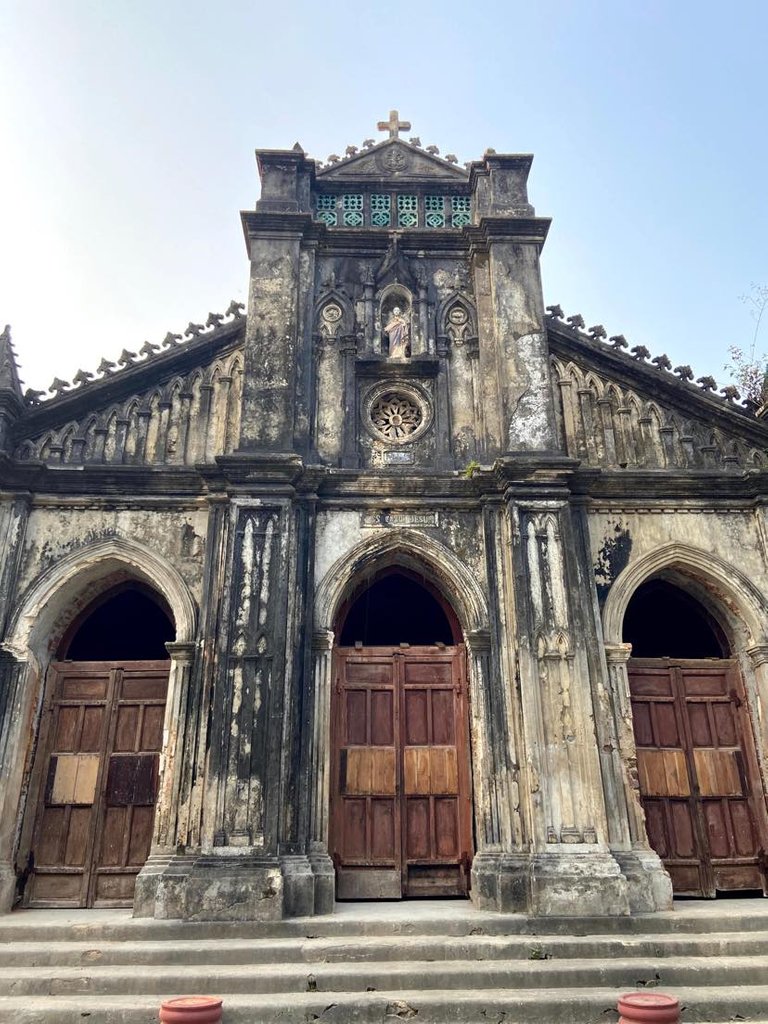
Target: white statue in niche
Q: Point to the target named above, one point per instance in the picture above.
(398, 332)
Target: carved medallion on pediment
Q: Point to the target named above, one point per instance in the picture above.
(394, 160)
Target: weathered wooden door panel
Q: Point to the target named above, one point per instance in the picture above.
(101, 740)
(434, 761)
(698, 774)
(367, 823)
(400, 807)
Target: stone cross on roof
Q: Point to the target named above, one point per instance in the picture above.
(394, 125)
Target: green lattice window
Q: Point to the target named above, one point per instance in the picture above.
(326, 210)
(460, 211)
(352, 207)
(381, 211)
(407, 211)
(434, 211)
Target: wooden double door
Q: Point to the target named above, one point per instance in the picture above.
(699, 781)
(400, 780)
(100, 742)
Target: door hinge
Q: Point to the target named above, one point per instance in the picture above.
(735, 698)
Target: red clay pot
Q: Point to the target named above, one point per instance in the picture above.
(191, 1010)
(648, 1008)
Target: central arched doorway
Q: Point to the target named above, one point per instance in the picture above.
(697, 770)
(98, 752)
(400, 823)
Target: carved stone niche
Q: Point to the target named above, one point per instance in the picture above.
(396, 304)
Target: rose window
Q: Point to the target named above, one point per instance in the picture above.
(396, 416)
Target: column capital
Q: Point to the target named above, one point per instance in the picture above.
(182, 653)
(7, 654)
(618, 654)
(322, 640)
(758, 654)
(479, 641)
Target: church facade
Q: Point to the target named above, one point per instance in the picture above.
(397, 583)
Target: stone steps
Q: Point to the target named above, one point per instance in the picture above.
(462, 919)
(427, 963)
(502, 1006)
(622, 974)
(372, 949)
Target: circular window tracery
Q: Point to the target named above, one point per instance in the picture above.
(396, 413)
(396, 416)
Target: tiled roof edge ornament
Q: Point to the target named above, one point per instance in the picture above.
(596, 335)
(126, 360)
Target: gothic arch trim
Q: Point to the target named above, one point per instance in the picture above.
(736, 594)
(412, 550)
(56, 589)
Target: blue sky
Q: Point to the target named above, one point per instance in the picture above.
(128, 129)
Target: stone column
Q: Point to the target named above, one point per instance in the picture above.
(443, 455)
(500, 870)
(319, 759)
(159, 888)
(14, 679)
(649, 885)
(572, 870)
(758, 656)
(504, 256)
(236, 874)
(350, 457)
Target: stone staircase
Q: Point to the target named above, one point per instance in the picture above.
(428, 963)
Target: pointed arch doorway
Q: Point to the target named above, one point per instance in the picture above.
(400, 822)
(698, 775)
(99, 746)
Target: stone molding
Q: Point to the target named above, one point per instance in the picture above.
(45, 598)
(448, 573)
(729, 581)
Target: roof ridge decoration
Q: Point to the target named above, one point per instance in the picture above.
(662, 365)
(393, 126)
(128, 360)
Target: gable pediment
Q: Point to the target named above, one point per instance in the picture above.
(616, 411)
(178, 406)
(393, 159)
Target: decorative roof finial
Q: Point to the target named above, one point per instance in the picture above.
(394, 125)
(9, 371)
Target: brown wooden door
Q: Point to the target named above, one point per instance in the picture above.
(400, 797)
(100, 740)
(698, 774)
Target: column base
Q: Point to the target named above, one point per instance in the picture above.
(649, 887)
(502, 882)
(325, 882)
(210, 887)
(577, 883)
(8, 882)
(298, 885)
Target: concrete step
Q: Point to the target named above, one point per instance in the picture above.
(98, 953)
(502, 1006)
(430, 963)
(448, 918)
(424, 976)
